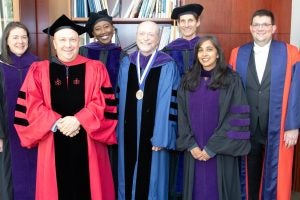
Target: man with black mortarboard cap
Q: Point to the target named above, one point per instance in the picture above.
(182, 51)
(64, 113)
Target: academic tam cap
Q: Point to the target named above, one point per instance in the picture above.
(96, 17)
(64, 22)
(189, 8)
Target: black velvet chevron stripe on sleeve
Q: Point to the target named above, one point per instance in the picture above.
(110, 115)
(107, 90)
(174, 93)
(22, 95)
(173, 117)
(21, 121)
(111, 102)
(174, 105)
(21, 108)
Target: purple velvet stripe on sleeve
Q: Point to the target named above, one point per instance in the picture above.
(242, 135)
(240, 122)
(240, 109)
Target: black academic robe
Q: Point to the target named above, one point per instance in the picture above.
(5, 168)
(229, 140)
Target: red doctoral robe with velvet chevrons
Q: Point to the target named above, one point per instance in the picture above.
(34, 123)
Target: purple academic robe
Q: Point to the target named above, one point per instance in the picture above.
(111, 55)
(204, 115)
(182, 51)
(23, 161)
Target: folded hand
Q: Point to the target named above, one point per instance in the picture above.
(69, 126)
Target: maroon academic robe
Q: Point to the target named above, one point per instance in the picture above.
(34, 123)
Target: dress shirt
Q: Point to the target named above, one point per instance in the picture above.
(261, 57)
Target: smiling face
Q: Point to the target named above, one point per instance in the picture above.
(188, 25)
(66, 44)
(17, 41)
(262, 30)
(103, 31)
(147, 38)
(208, 55)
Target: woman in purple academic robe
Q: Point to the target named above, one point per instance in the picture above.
(213, 120)
(17, 164)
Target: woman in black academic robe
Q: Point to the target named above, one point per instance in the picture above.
(213, 120)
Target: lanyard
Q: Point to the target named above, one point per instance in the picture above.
(138, 69)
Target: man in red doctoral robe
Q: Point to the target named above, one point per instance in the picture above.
(67, 108)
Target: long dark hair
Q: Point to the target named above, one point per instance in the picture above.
(4, 47)
(192, 78)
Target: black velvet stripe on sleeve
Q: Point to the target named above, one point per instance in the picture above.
(110, 115)
(174, 93)
(174, 105)
(21, 108)
(111, 102)
(173, 117)
(107, 90)
(21, 121)
(22, 95)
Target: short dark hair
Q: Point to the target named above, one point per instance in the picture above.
(192, 13)
(264, 12)
(4, 47)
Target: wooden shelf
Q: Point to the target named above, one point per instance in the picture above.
(131, 20)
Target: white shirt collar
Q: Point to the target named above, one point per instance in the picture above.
(265, 48)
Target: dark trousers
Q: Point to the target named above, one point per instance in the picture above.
(255, 164)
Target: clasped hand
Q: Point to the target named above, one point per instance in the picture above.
(199, 155)
(69, 126)
(155, 148)
(291, 137)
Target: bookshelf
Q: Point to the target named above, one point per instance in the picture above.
(128, 20)
(126, 26)
(125, 11)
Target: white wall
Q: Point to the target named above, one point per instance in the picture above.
(295, 24)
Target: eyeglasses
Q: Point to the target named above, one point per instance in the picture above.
(263, 25)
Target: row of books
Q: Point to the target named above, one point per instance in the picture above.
(135, 8)
(151, 8)
(82, 8)
(168, 34)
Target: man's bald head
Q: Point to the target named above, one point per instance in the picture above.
(147, 37)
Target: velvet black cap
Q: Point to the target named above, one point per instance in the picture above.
(64, 22)
(189, 8)
(96, 17)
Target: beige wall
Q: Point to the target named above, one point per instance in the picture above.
(295, 23)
